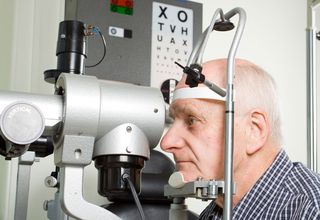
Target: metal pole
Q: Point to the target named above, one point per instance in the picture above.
(311, 102)
(312, 154)
(22, 189)
(229, 129)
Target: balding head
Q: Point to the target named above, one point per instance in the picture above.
(254, 88)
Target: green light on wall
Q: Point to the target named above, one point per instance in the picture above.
(121, 9)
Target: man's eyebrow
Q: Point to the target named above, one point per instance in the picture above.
(186, 108)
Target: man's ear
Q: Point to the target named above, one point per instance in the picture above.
(259, 130)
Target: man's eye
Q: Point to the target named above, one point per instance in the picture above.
(191, 120)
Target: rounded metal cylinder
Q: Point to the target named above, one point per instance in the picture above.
(71, 48)
(111, 173)
(141, 106)
(51, 106)
(95, 107)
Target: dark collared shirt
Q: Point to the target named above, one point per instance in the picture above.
(286, 191)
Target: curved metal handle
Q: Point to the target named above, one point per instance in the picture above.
(229, 123)
(196, 58)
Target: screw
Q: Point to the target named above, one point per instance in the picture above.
(50, 181)
(129, 149)
(129, 129)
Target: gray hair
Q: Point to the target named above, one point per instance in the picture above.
(255, 88)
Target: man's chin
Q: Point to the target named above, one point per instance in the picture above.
(189, 171)
(188, 176)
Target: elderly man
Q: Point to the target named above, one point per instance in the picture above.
(269, 185)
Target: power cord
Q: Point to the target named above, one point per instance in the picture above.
(96, 30)
(135, 196)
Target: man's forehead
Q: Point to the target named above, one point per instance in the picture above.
(181, 106)
(204, 109)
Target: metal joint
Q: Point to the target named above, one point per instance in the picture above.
(200, 189)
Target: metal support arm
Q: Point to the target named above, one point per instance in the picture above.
(72, 199)
(312, 149)
(74, 154)
(229, 128)
(23, 182)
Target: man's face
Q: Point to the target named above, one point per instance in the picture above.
(196, 138)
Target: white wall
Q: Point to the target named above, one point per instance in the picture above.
(6, 11)
(274, 38)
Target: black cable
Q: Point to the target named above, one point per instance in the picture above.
(135, 196)
(96, 29)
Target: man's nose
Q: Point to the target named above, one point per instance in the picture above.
(172, 140)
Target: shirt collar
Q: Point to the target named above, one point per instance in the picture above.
(263, 190)
(266, 187)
